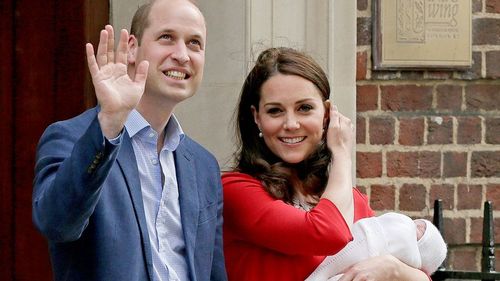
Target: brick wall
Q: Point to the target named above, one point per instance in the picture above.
(423, 135)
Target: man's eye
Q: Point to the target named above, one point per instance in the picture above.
(166, 36)
(195, 42)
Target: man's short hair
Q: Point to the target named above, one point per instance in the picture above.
(140, 21)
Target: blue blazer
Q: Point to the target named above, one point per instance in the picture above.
(87, 202)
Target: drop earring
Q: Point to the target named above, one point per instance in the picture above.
(260, 134)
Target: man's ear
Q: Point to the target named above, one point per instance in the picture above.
(133, 44)
(255, 116)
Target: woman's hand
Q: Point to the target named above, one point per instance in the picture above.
(340, 139)
(382, 268)
(340, 134)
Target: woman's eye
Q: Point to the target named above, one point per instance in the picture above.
(305, 108)
(273, 111)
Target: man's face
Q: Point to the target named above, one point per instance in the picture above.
(174, 45)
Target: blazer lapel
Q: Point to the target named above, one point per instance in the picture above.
(188, 200)
(128, 164)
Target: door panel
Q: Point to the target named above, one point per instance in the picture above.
(44, 45)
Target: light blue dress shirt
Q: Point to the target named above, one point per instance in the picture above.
(160, 195)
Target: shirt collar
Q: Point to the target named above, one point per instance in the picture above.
(173, 131)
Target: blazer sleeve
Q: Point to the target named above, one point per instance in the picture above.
(218, 264)
(71, 166)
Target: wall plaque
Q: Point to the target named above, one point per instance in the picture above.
(422, 34)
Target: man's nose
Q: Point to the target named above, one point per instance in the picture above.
(180, 53)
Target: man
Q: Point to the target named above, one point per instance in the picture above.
(119, 191)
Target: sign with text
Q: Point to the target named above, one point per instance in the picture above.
(422, 34)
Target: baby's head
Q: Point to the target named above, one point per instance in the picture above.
(430, 244)
(421, 226)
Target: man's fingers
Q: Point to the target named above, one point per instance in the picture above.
(121, 52)
(111, 43)
(91, 62)
(141, 72)
(102, 57)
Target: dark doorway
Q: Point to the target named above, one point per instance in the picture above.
(43, 78)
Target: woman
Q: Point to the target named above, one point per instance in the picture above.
(290, 202)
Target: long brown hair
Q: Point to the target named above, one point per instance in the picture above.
(253, 157)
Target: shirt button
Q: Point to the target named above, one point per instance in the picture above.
(154, 161)
(151, 135)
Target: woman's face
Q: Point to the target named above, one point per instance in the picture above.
(291, 117)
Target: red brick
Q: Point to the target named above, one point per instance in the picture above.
(449, 97)
(469, 197)
(493, 6)
(411, 75)
(474, 72)
(366, 98)
(445, 192)
(477, 6)
(362, 5)
(411, 130)
(469, 130)
(464, 259)
(368, 164)
(364, 31)
(406, 97)
(381, 130)
(412, 197)
(402, 164)
(440, 130)
(497, 257)
(361, 65)
(492, 131)
(454, 164)
(360, 130)
(485, 164)
(493, 64)
(423, 164)
(486, 31)
(382, 197)
(439, 75)
(482, 96)
(429, 164)
(476, 230)
(454, 230)
(493, 195)
(362, 189)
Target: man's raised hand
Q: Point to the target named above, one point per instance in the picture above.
(116, 92)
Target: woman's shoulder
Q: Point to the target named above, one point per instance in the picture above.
(233, 177)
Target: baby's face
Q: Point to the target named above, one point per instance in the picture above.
(421, 226)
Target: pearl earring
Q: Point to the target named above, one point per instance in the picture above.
(260, 134)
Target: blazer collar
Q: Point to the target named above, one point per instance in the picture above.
(188, 200)
(127, 163)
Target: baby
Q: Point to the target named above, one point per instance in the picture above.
(417, 243)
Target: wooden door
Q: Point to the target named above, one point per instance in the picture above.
(43, 78)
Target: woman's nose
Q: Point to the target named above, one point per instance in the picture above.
(291, 123)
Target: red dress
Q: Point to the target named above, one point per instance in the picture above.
(267, 239)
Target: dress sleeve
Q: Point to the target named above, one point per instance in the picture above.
(256, 217)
